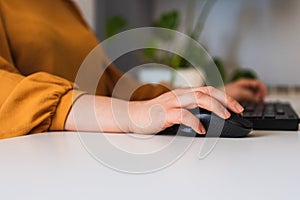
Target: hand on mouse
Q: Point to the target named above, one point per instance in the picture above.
(248, 90)
(155, 115)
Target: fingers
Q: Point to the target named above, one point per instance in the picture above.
(200, 99)
(177, 101)
(257, 87)
(209, 98)
(222, 97)
(253, 83)
(263, 92)
(248, 96)
(182, 116)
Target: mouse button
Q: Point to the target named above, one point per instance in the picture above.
(203, 111)
(203, 116)
(239, 120)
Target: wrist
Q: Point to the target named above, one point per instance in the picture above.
(133, 115)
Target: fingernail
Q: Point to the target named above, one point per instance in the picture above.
(227, 114)
(202, 131)
(239, 108)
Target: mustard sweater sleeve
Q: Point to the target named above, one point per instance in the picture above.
(33, 104)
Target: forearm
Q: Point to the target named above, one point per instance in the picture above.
(98, 114)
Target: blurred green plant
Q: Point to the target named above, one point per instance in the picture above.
(114, 25)
(171, 20)
(243, 73)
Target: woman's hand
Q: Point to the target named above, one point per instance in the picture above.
(171, 108)
(247, 90)
(104, 114)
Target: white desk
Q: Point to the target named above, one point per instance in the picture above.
(57, 166)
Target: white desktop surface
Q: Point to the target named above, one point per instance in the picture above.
(265, 165)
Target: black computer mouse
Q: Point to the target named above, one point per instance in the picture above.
(235, 126)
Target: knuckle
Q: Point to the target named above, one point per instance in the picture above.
(230, 99)
(199, 95)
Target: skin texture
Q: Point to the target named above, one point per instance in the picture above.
(104, 114)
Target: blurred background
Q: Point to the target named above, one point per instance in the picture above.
(261, 35)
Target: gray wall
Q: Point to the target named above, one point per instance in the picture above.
(137, 12)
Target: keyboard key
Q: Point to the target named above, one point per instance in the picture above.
(280, 109)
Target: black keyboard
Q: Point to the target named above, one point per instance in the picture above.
(271, 116)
